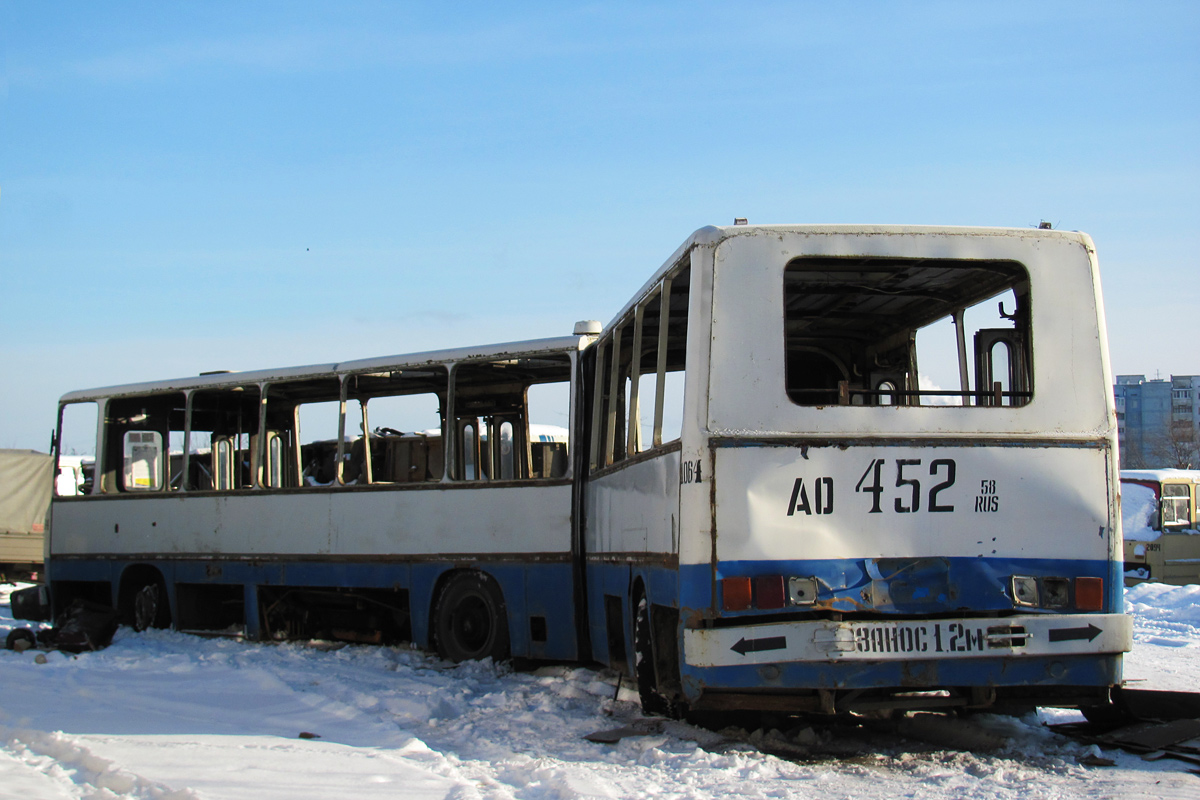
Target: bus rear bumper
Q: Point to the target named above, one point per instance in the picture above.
(1045, 635)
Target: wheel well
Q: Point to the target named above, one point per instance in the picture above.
(133, 579)
(636, 595)
(664, 621)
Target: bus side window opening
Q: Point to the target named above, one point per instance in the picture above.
(468, 451)
(75, 444)
(137, 433)
(1176, 505)
(504, 412)
(549, 411)
(402, 415)
(221, 434)
(639, 375)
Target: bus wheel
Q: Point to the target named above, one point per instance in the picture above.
(653, 702)
(147, 608)
(469, 619)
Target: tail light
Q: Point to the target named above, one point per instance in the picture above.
(735, 594)
(1055, 592)
(767, 592)
(1089, 594)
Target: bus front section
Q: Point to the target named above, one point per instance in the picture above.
(910, 498)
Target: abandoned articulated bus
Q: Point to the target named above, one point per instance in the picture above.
(810, 468)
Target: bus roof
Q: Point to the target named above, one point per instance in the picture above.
(428, 358)
(713, 235)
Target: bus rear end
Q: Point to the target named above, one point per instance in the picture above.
(910, 498)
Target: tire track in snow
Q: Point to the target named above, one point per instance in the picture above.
(79, 772)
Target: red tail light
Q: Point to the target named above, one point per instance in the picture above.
(769, 592)
(766, 592)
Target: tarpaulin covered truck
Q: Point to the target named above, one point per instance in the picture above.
(26, 481)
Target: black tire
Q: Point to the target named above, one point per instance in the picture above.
(653, 702)
(150, 608)
(20, 639)
(470, 621)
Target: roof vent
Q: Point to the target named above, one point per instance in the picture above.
(740, 221)
(588, 327)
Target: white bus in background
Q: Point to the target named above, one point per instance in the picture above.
(757, 506)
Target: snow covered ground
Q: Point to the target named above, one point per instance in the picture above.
(166, 715)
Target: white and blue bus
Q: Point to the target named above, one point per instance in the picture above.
(809, 469)
(385, 499)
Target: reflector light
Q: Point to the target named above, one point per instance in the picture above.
(735, 594)
(768, 592)
(802, 591)
(1089, 594)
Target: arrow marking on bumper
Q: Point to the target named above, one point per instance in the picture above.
(1069, 634)
(759, 645)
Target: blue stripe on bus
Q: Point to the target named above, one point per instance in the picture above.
(908, 586)
(969, 585)
(529, 590)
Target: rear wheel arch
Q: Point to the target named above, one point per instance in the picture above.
(142, 598)
(656, 664)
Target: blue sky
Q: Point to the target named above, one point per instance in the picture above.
(198, 186)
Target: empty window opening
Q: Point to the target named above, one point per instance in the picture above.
(639, 376)
(323, 452)
(136, 433)
(402, 412)
(406, 438)
(549, 406)
(497, 435)
(76, 448)
(221, 438)
(876, 331)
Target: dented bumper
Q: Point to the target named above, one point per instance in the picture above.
(884, 640)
